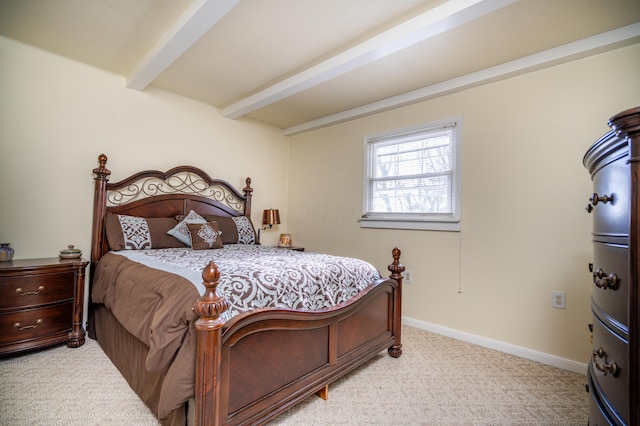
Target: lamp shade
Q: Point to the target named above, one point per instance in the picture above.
(271, 217)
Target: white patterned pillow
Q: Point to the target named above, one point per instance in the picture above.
(181, 231)
(137, 233)
(234, 230)
(246, 233)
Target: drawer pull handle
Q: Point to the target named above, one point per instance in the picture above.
(29, 293)
(24, 327)
(605, 367)
(604, 281)
(595, 199)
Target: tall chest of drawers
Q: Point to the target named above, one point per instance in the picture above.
(613, 373)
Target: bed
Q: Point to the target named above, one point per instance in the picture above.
(196, 352)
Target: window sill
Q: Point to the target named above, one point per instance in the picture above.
(410, 224)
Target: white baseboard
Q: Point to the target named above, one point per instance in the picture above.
(555, 361)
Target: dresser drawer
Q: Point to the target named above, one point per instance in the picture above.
(611, 285)
(30, 324)
(35, 289)
(609, 349)
(611, 218)
(599, 410)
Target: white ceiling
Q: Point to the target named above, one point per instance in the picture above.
(304, 64)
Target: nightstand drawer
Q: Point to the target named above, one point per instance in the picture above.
(30, 324)
(37, 289)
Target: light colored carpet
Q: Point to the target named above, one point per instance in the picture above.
(436, 381)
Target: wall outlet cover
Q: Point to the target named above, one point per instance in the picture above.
(558, 299)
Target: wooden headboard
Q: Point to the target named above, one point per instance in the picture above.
(152, 193)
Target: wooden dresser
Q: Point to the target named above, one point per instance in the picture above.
(614, 369)
(41, 303)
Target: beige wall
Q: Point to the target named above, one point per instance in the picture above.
(524, 232)
(57, 116)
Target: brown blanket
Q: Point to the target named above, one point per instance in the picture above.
(155, 307)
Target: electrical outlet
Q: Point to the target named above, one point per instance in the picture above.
(558, 300)
(408, 277)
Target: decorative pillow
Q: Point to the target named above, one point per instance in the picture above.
(246, 233)
(181, 231)
(205, 236)
(136, 233)
(234, 230)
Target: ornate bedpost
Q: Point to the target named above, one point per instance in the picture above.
(209, 350)
(99, 204)
(247, 193)
(396, 269)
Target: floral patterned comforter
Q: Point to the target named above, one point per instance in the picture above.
(254, 276)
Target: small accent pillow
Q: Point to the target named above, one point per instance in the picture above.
(137, 233)
(181, 231)
(234, 230)
(246, 233)
(205, 236)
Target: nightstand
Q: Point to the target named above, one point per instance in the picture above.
(292, 248)
(41, 303)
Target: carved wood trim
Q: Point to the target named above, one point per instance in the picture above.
(626, 124)
(209, 307)
(212, 404)
(396, 268)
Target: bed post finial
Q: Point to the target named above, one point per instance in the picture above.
(209, 343)
(210, 306)
(247, 193)
(396, 268)
(102, 172)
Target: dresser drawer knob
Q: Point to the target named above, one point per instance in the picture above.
(24, 327)
(605, 367)
(604, 281)
(29, 293)
(595, 199)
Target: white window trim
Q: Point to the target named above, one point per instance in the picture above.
(431, 222)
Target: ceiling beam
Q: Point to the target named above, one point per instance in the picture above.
(422, 27)
(196, 20)
(569, 52)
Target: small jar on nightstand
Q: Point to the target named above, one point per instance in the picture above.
(41, 303)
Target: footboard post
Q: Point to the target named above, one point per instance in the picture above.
(209, 350)
(396, 269)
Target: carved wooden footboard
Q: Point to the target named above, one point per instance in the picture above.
(263, 362)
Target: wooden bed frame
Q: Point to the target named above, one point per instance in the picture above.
(260, 363)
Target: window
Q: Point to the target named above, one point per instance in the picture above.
(412, 178)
